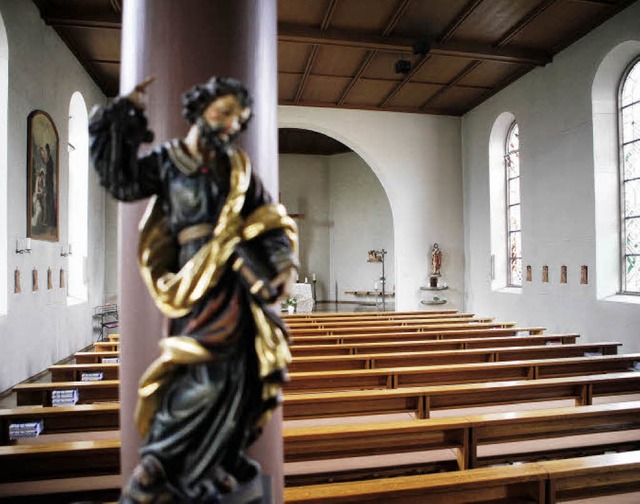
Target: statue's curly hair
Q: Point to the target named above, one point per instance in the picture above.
(198, 98)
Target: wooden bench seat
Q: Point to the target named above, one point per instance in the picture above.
(108, 346)
(422, 400)
(63, 490)
(398, 377)
(436, 357)
(450, 325)
(95, 357)
(477, 331)
(359, 315)
(65, 459)
(541, 482)
(63, 419)
(303, 350)
(75, 372)
(39, 393)
(113, 337)
(458, 317)
(463, 435)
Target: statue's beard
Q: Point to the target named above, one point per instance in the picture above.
(211, 139)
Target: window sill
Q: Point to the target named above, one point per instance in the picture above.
(508, 290)
(74, 301)
(623, 298)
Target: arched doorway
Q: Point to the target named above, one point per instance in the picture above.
(342, 211)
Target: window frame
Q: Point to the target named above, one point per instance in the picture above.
(621, 183)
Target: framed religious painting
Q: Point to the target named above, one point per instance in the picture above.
(43, 186)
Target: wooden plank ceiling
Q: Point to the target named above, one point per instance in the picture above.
(419, 56)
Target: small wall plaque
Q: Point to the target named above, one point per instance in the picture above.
(584, 275)
(17, 288)
(49, 279)
(563, 274)
(62, 278)
(545, 273)
(528, 273)
(34, 280)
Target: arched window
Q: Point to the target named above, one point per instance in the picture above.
(514, 223)
(629, 138)
(78, 196)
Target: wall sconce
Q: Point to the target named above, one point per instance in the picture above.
(23, 246)
(64, 252)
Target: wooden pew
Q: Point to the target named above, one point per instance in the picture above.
(464, 436)
(389, 315)
(108, 346)
(398, 377)
(95, 357)
(65, 459)
(63, 490)
(460, 317)
(541, 482)
(113, 337)
(63, 419)
(439, 357)
(440, 324)
(511, 484)
(303, 350)
(29, 394)
(424, 335)
(421, 346)
(75, 372)
(107, 390)
(585, 477)
(422, 400)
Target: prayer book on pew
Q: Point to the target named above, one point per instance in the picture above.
(110, 360)
(92, 376)
(25, 430)
(67, 397)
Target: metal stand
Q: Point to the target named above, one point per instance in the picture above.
(378, 256)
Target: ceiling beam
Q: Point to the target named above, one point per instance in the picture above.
(117, 7)
(459, 19)
(326, 20)
(343, 38)
(528, 18)
(57, 22)
(461, 75)
(400, 9)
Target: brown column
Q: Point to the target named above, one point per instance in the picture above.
(181, 43)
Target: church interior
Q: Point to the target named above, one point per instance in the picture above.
(465, 179)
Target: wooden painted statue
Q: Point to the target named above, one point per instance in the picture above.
(215, 253)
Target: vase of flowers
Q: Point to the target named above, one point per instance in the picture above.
(290, 303)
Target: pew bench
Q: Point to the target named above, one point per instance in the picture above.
(435, 357)
(476, 331)
(440, 324)
(109, 346)
(304, 350)
(95, 357)
(541, 482)
(421, 401)
(454, 318)
(39, 393)
(464, 435)
(76, 372)
(366, 315)
(398, 377)
(62, 419)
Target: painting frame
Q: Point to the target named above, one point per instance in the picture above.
(43, 177)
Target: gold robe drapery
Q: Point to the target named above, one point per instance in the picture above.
(175, 293)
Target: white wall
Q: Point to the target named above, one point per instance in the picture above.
(553, 108)
(416, 158)
(346, 214)
(39, 328)
(304, 188)
(362, 221)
